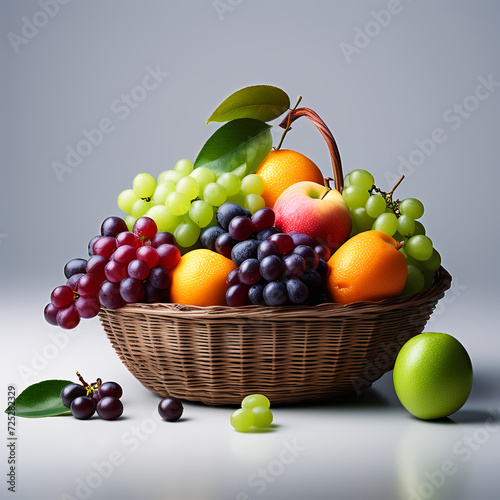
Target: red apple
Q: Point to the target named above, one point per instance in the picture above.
(312, 209)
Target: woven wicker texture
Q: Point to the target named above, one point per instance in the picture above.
(218, 355)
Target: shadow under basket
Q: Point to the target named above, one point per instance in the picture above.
(219, 355)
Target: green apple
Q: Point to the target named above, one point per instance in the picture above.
(433, 375)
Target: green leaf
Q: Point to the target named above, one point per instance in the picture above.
(261, 102)
(239, 146)
(40, 400)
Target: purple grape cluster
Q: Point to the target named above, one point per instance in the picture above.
(273, 268)
(124, 267)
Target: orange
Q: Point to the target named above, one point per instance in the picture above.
(199, 279)
(283, 167)
(367, 267)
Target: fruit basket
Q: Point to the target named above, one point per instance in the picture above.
(218, 355)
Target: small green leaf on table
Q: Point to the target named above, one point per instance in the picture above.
(261, 102)
(239, 146)
(40, 400)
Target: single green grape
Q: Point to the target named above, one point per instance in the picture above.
(130, 221)
(252, 184)
(433, 263)
(126, 199)
(355, 196)
(375, 205)
(253, 400)
(184, 166)
(361, 219)
(177, 203)
(188, 186)
(412, 207)
(215, 194)
(162, 191)
(159, 179)
(172, 175)
(263, 417)
(144, 185)
(230, 182)
(201, 213)
(140, 207)
(163, 218)
(406, 225)
(419, 228)
(254, 202)
(187, 233)
(414, 280)
(361, 178)
(419, 247)
(387, 223)
(242, 419)
(204, 176)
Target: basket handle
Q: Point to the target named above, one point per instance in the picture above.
(327, 135)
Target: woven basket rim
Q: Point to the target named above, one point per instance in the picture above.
(436, 291)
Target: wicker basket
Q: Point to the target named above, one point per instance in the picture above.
(218, 355)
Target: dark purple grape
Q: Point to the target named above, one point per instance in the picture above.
(322, 268)
(170, 409)
(241, 228)
(323, 252)
(68, 317)
(272, 267)
(154, 294)
(159, 278)
(224, 244)
(303, 239)
(244, 250)
(295, 265)
(232, 277)
(109, 295)
(138, 269)
(297, 291)
(82, 407)
(90, 248)
(263, 218)
(88, 307)
(283, 241)
(267, 248)
(111, 389)
(249, 272)
(309, 254)
(256, 293)
(312, 279)
(74, 266)
(73, 281)
(209, 235)
(95, 266)
(50, 314)
(237, 295)
(132, 290)
(113, 226)
(109, 408)
(162, 238)
(227, 212)
(71, 392)
(265, 233)
(275, 293)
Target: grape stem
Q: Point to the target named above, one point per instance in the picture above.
(327, 135)
(287, 128)
(90, 387)
(396, 185)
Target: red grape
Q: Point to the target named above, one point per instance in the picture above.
(145, 228)
(159, 278)
(113, 226)
(138, 269)
(68, 317)
(104, 246)
(128, 238)
(115, 271)
(169, 255)
(132, 290)
(109, 295)
(96, 265)
(50, 313)
(283, 241)
(263, 218)
(149, 255)
(62, 296)
(241, 228)
(88, 307)
(88, 285)
(161, 238)
(125, 254)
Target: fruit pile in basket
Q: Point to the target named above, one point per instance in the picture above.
(249, 224)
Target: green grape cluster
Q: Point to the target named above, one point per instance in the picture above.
(254, 412)
(184, 200)
(372, 208)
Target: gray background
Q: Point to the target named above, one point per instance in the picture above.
(397, 90)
